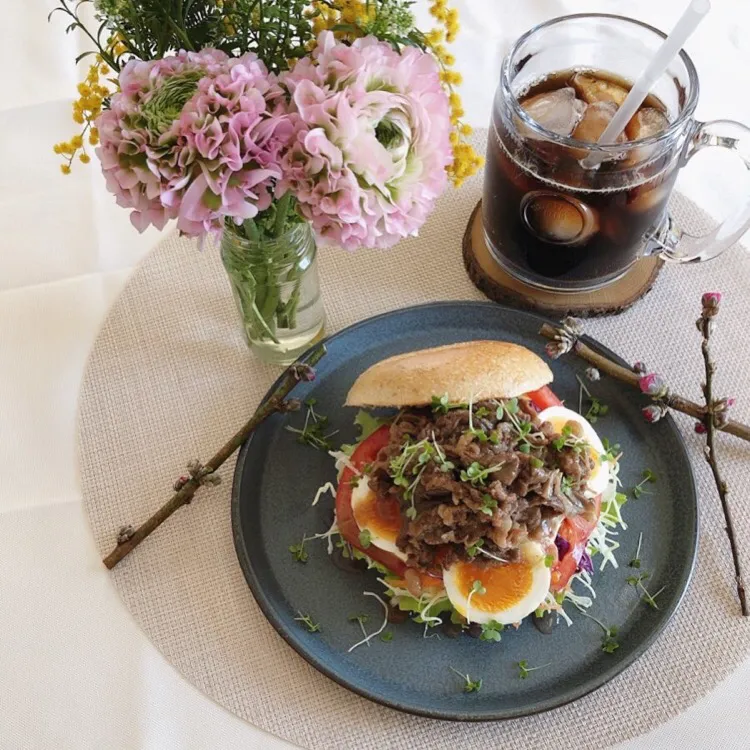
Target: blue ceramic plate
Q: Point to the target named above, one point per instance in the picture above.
(276, 479)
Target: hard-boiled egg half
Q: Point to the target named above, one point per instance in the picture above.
(382, 518)
(505, 594)
(558, 417)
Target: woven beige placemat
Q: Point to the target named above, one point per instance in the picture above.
(170, 378)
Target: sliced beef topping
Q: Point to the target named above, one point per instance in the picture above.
(475, 486)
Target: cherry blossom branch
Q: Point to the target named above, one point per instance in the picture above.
(711, 416)
(566, 339)
(715, 414)
(185, 487)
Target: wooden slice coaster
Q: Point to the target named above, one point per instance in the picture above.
(500, 286)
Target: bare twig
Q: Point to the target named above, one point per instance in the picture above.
(129, 539)
(710, 309)
(606, 365)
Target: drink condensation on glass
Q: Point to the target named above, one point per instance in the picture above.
(561, 211)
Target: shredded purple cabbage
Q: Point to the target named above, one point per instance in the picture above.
(586, 563)
(563, 546)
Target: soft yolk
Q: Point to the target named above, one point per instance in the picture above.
(505, 585)
(382, 516)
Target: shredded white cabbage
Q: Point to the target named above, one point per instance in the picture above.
(327, 487)
(343, 462)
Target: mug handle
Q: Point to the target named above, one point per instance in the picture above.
(683, 247)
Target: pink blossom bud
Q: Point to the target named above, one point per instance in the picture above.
(652, 413)
(652, 384)
(700, 428)
(711, 299)
(554, 349)
(730, 402)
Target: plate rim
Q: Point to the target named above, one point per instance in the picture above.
(549, 704)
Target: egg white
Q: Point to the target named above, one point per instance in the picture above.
(361, 495)
(599, 478)
(531, 553)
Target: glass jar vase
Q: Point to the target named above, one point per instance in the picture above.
(276, 287)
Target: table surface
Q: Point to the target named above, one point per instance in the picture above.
(77, 672)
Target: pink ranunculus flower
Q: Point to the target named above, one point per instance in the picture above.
(372, 140)
(196, 137)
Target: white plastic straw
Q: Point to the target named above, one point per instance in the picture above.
(670, 48)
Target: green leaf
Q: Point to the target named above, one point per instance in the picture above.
(367, 424)
(299, 553)
(491, 631)
(365, 538)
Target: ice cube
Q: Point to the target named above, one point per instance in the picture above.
(646, 123)
(559, 219)
(594, 122)
(558, 111)
(650, 194)
(593, 90)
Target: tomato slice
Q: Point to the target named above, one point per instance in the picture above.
(543, 398)
(366, 452)
(576, 532)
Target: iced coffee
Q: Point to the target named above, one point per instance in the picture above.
(551, 216)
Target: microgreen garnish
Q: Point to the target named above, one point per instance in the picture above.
(491, 631)
(536, 463)
(597, 408)
(482, 411)
(307, 621)
(470, 686)
(511, 406)
(648, 477)
(313, 431)
(441, 404)
(299, 553)
(549, 560)
(637, 582)
(612, 451)
(477, 474)
(365, 538)
(568, 439)
(406, 469)
(489, 504)
(361, 619)
(476, 588)
(345, 547)
(473, 549)
(524, 670)
(387, 636)
(609, 640)
(523, 427)
(636, 561)
(443, 463)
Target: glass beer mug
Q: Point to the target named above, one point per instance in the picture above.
(563, 213)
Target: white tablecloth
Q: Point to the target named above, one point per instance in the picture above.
(76, 672)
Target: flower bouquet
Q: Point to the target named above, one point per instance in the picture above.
(273, 127)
